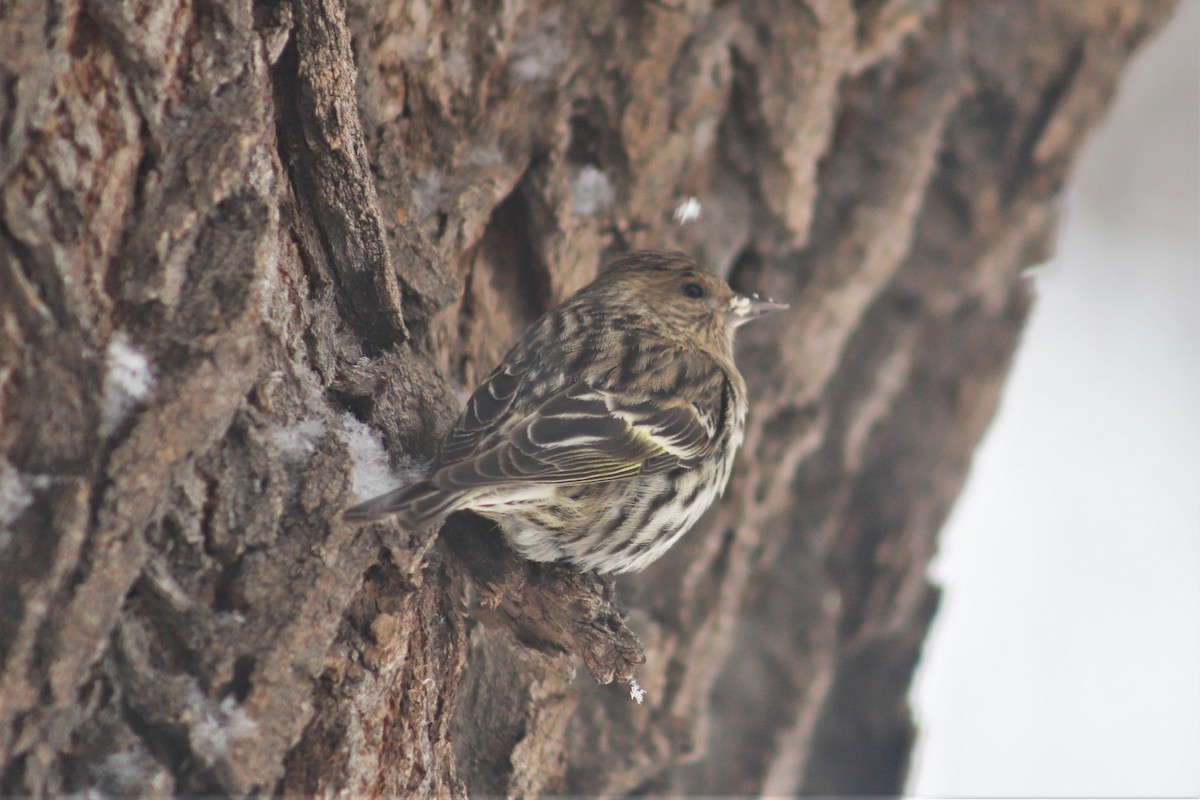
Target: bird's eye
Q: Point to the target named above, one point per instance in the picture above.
(693, 290)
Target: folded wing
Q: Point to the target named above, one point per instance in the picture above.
(584, 435)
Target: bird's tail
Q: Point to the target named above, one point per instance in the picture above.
(418, 505)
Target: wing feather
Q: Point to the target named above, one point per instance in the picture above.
(489, 403)
(584, 435)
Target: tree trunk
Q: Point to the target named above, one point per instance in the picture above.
(246, 249)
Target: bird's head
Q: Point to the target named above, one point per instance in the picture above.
(689, 301)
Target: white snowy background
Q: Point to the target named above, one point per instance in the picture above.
(1065, 660)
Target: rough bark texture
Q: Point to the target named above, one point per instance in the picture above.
(306, 216)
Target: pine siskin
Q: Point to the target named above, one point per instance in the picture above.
(609, 427)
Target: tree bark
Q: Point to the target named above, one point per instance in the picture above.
(245, 247)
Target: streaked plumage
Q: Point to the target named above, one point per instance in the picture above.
(608, 429)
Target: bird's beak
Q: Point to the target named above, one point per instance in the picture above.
(743, 308)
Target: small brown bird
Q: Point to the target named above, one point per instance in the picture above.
(609, 427)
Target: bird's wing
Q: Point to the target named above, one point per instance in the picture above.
(585, 434)
(490, 402)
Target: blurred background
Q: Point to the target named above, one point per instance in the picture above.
(1065, 660)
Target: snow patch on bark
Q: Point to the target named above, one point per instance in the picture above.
(128, 379)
